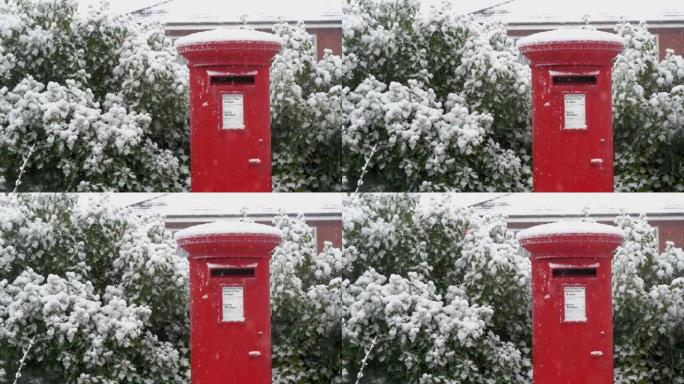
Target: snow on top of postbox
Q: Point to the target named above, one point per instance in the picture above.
(569, 35)
(228, 34)
(228, 227)
(569, 228)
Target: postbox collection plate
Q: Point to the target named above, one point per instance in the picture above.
(233, 110)
(575, 111)
(574, 304)
(232, 304)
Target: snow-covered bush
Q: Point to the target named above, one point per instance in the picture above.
(306, 294)
(100, 291)
(441, 295)
(437, 101)
(648, 300)
(89, 102)
(648, 98)
(306, 108)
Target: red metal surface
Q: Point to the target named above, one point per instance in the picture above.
(572, 352)
(234, 352)
(230, 160)
(572, 160)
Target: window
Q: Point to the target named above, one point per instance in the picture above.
(521, 58)
(521, 251)
(315, 233)
(314, 41)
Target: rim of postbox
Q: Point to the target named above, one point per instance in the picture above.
(228, 239)
(570, 36)
(563, 45)
(211, 47)
(571, 238)
(228, 35)
(240, 53)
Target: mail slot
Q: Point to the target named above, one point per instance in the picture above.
(230, 315)
(574, 80)
(572, 316)
(572, 119)
(233, 80)
(230, 118)
(233, 272)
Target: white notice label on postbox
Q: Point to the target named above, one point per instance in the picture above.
(575, 304)
(233, 304)
(575, 111)
(233, 111)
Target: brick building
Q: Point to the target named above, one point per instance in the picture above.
(322, 211)
(664, 211)
(322, 18)
(664, 18)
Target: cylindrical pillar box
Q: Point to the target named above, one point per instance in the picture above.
(230, 312)
(572, 315)
(230, 115)
(572, 118)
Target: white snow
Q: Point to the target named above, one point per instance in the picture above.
(569, 228)
(228, 227)
(228, 34)
(569, 35)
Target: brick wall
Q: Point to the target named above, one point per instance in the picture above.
(670, 231)
(670, 38)
(328, 38)
(327, 231)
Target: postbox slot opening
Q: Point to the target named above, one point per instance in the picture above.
(233, 272)
(574, 80)
(574, 272)
(233, 80)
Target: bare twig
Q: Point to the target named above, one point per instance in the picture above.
(365, 360)
(365, 169)
(23, 360)
(17, 183)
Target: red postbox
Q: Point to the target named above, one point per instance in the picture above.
(230, 113)
(230, 312)
(572, 118)
(572, 315)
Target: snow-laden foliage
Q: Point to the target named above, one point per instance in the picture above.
(437, 101)
(648, 299)
(306, 294)
(443, 292)
(648, 98)
(443, 296)
(306, 108)
(89, 102)
(100, 290)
